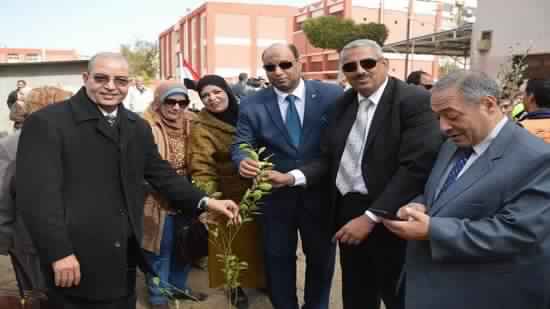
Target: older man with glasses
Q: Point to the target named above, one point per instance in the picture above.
(287, 119)
(378, 148)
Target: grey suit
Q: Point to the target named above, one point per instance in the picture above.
(489, 238)
(14, 237)
(8, 148)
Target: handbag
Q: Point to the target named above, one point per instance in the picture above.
(191, 238)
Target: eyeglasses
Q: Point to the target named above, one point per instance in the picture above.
(366, 64)
(120, 81)
(284, 65)
(173, 102)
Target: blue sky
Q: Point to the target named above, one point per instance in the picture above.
(94, 25)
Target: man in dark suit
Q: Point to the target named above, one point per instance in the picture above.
(479, 234)
(80, 169)
(287, 119)
(377, 151)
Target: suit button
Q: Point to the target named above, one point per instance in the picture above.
(122, 212)
(117, 244)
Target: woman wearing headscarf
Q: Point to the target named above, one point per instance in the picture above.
(171, 127)
(211, 162)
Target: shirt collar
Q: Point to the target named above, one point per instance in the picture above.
(299, 92)
(105, 113)
(375, 96)
(480, 148)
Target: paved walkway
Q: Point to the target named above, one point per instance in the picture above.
(199, 281)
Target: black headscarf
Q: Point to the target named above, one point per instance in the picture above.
(231, 114)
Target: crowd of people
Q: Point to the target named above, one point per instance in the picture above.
(436, 196)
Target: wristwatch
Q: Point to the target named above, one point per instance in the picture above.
(203, 203)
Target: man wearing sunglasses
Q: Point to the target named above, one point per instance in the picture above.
(377, 151)
(287, 119)
(79, 182)
(421, 79)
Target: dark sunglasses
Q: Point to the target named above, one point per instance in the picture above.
(173, 102)
(120, 81)
(284, 65)
(366, 64)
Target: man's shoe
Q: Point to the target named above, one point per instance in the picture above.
(160, 306)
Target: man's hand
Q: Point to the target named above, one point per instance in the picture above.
(226, 208)
(66, 272)
(355, 231)
(416, 227)
(401, 213)
(278, 179)
(249, 168)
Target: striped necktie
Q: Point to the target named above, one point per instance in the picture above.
(461, 157)
(350, 165)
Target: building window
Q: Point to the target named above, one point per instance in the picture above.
(32, 57)
(364, 19)
(395, 22)
(13, 58)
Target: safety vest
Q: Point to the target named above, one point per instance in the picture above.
(539, 127)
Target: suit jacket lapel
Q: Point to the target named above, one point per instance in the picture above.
(447, 153)
(475, 172)
(312, 112)
(382, 111)
(272, 105)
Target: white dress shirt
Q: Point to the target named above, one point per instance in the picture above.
(359, 185)
(478, 150)
(105, 113)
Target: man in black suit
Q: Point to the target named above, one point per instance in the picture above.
(377, 149)
(79, 179)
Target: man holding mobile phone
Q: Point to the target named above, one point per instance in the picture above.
(377, 150)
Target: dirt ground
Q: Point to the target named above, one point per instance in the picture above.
(198, 280)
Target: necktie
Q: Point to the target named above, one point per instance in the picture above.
(293, 120)
(350, 165)
(111, 119)
(461, 157)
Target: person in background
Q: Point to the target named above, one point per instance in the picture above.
(12, 97)
(241, 88)
(18, 111)
(211, 162)
(13, 233)
(537, 105)
(139, 97)
(171, 129)
(421, 79)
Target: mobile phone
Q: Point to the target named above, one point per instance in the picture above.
(385, 214)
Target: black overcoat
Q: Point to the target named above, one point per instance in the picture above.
(79, 185)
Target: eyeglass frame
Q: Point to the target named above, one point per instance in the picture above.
(271, 67)
(172, 102)
(362, 64)
(118, 81)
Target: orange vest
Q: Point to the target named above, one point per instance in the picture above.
(539, 127)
